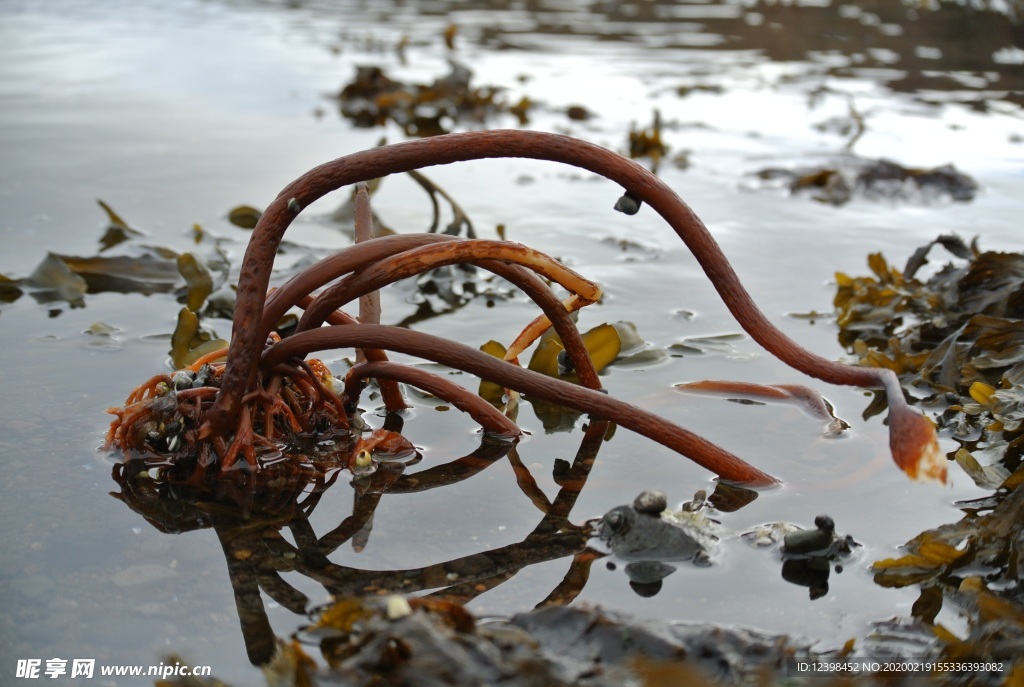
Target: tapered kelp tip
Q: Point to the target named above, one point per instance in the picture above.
(915, 446)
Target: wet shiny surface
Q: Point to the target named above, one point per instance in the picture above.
(173, 114)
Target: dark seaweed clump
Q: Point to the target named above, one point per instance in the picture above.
(958, 337)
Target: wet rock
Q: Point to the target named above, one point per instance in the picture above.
(647, 572)
(651, 502)
(808, 555)
(821, 542)
(812, 573)
(877, 180)
(578, 640)
(825, 523)
(553, 646)
(768, 535)
(422, 649)
(888, 179)
(807, 542)
(645, 576)
(635, 535)
(646, 358)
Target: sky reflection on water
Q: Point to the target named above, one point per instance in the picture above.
(174, 113)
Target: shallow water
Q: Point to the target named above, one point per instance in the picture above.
(175, 112)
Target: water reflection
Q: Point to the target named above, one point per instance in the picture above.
(249, 520)
(216, 160)
(257, 516)
(944, 46)
(972, 50)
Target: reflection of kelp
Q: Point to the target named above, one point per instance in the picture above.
(379, 625)
(974, 566)
(248, 522)
(959, 335)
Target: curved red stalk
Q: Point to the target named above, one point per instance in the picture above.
(333, 266)
(389, 390)
(724, 464)
(418, 260)
(378, 252)
(910, 440)
(369, 304)
(485, 415)
(478, 252)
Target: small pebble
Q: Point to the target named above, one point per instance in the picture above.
(700, 497)
(565, 365)
(807, 541)
(398, 607)
(825, 523)
(651, 502)
(183, 379)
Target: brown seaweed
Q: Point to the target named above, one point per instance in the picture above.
(243, 403)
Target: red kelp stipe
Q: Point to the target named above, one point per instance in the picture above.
(266, 392)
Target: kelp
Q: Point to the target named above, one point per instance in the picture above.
(443, 290)
(959, 336)
(198, 280)
(58, 281)
(423, 643)
(266, 392)
(973, 567)
(702, 345)
(272, 421)
(118, 231)
(805, 398)
(602, 342)
(370, 636)
(9, 289)
(244, 216)
(150, 270)
(190, 342)
(876, 180)
(646, 142)
(139, 268)
(373, 98)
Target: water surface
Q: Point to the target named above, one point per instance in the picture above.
(174, 113)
